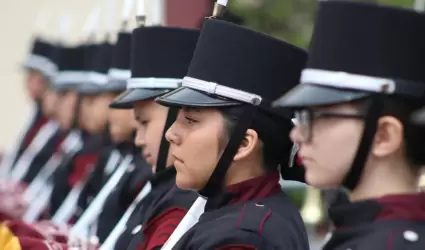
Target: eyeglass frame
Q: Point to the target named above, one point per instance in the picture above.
(310, 115)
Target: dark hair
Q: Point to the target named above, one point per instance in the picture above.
(273, 131)
(414, 135)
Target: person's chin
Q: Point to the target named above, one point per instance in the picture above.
(182, 182)
(313, 179)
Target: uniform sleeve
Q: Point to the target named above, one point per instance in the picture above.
(237, 247)
(20, 228)
(160, 228)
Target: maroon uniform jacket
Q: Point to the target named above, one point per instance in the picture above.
(254, 214)
(395, 222)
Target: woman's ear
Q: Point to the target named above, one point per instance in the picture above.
(247, 146)
(388, 137)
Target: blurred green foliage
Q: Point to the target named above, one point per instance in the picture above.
(291, 20)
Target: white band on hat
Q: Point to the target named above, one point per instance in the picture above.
(153, 83)
(220, 90)
(71, 77)
(345, 80)
(97, 78)
(119, 74)
(43, 64)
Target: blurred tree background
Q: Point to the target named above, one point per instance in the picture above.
(291, 20)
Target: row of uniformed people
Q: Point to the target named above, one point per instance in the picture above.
(166, 202)
(224, 140)
(92, 119)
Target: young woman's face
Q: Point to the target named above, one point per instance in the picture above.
(328, 154)
(195, 145)
(66, 107)
(150, 118)
(95, 112)
(121, 124)
(49, 103)
(35, 84)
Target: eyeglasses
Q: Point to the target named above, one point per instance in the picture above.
(304, 120)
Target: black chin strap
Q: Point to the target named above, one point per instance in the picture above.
(215, 183)
(371, 123)
(77, 110)
(165, 145)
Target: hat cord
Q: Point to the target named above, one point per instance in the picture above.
(375, 110)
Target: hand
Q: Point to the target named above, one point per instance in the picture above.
(11, 188)
(52, 231)
(83, 244)
(14, 206)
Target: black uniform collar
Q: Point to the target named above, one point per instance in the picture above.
(391, 207)
(256, 188)
(163, 175)
(126, 147)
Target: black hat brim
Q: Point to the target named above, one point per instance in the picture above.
(129, 97)
(307, 95)
(187, 97)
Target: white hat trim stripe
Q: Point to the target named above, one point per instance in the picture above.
(345, 80)
(119, 74)
(220, 90)
(44, 64)
(71, 77)
(97, 78)
(153, 83)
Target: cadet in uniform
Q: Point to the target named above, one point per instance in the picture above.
(43, 139)
(71, 74)
(122, 127)
(160, 57)
(224, 144)
(363, 79)
(41, 68)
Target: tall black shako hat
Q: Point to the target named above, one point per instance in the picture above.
(71, 68)
(119, 71)
(159, 60)
(99, 60)
(358, 51)
(235, 66)
(43, 58)
(160, 57)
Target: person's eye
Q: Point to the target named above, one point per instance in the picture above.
(190, 120)
(144, 122)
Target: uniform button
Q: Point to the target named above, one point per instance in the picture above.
(136, 229)
(79, 211)
(130, 168)
(410, 236)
